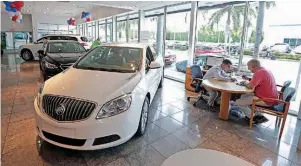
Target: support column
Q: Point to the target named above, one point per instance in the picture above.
(35, 34)
(160, 37)
(192, 31)
(87, 29)
(242, 44)
(259, 26)
(106, 30)
(114, 29)
(127, 28)
(141, 22)
(164, 31)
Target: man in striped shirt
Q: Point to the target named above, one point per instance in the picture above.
(217, 72)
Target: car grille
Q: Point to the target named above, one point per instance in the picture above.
(67, 109)
(66, 66)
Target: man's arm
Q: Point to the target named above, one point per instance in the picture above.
(218, 75)
(254, 82)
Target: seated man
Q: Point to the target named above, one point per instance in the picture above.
(264, 85)
(217, 72)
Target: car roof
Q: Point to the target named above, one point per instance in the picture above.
(64, 35)
(62, 41)
(130, 45)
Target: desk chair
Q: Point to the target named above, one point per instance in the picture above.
(279, 110)
(196, 83)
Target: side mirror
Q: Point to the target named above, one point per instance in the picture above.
(155, 65)
(41, 52)
(35, 42)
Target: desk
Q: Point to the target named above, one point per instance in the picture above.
(204, 157)
(226, 89)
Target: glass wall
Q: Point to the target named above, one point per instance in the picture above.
(93, 34)
(45, 29)
(102, 31)
(109, 30)
(89, 34)
(177, 31)
(121, 31)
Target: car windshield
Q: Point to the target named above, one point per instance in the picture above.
(65, 47)
(112, 59)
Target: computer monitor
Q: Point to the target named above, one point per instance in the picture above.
(213, 61)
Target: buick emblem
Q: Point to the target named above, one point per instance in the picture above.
(60, 110)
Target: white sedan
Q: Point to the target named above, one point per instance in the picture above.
(102, 100)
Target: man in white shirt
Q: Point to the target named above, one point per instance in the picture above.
(217, 72)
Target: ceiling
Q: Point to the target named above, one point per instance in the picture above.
(73, 8)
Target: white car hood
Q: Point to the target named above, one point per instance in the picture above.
(28, 44)
(98, 86)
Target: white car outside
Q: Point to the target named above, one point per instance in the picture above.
(29, 51)
(102, 100)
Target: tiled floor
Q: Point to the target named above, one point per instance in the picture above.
(174, 125)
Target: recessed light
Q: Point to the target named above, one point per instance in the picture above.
(27, 11)
(65, 10)
(48, 8)
(73, 4)
(44, 12)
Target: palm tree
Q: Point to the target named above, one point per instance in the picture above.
(233, 13)
(259, 25)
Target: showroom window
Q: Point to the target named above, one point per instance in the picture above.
(177, 31)
(109, 30)
(101, 30)
(133, 27)
(89, 34)
(121, 28)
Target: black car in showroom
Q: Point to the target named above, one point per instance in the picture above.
(58, 55)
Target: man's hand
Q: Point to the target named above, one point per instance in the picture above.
(233, 79)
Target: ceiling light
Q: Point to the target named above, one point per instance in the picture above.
(27, 11)
(44, 12)
(65, 10)
(73, 4)
(48, 8)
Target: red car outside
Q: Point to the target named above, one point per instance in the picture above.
(200, 50)
(170, 57)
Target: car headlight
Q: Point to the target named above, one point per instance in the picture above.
(39, 97)
(50, 65)
(115, 106)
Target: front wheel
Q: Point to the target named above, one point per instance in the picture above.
(143, 118)
(27, 55)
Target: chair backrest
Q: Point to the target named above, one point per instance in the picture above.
(287, 96)
(286, 84)
(196, 71)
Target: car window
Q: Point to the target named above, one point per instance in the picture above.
(55, 38)
(65, 47)
(84, 39)
(111, 58)
(41, 40)
(149, 54)
(70, 38)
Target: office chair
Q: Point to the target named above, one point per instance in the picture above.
(196, 82)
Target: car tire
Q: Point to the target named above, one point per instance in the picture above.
(143, 118)
(26, 55)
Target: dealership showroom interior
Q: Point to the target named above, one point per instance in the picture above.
(151, 83)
